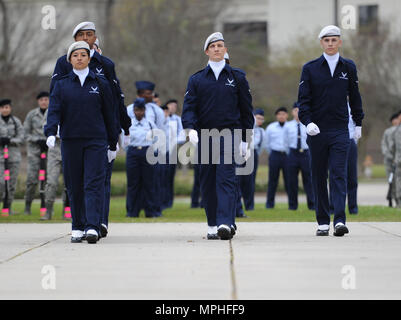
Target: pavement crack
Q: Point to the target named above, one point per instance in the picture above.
(234, 295)
(33, 248)
(382, 230)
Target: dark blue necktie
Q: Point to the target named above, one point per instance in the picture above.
(299, 138)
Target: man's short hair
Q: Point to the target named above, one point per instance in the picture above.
(171, 101)
(281, 109)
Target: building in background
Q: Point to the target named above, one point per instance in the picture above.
(276, 24)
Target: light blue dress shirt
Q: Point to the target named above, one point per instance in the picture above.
(258, 139)
(172, 128)
(291, 135)
(138, 132)
(275, 138)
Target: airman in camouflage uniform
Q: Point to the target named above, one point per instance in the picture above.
(395, 147)
(54, 169)
(386, 142)
(386, 146)
(33, 126)
(12, 135)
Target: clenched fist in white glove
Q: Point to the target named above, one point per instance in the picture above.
(312, 129)
(244, 151)
(51, 142)
(193, 136)
(111, 155)
(358, 133)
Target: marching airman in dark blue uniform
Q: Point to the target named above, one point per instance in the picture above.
(326, 85)
(81, 103)
(101, 66)
(218, 97)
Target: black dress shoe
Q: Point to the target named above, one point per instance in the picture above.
(224, 233)
(322, 233)
(233, 230)
(103, 231)
(340, 230)
(212, 236)
(92, 238)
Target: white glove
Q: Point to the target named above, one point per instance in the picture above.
(312, 129)
(193, 136)
(358, 133)
(125, 141)
(51, 142)
(244, 151)
(111, 155)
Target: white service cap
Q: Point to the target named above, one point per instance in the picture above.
(86, 25)
(214, 37)
(330, 31)
(75, 46)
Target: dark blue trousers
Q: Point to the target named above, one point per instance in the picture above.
(247, 183)
(219, 185)
(84, 176)
(239, 211)
(299, 161)
(167, 185)
(140, 183)
(352, 179)
(277, 161)
(195, 194)
(329, 150)
(157, 188)
(107, 192)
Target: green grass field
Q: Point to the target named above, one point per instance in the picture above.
(184, 180)
(182, 213)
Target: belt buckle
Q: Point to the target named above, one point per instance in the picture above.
(140, 147)
(301, 150)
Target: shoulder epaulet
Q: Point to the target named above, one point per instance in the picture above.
(198, 72)
(63, 58)
(312, 61)
(240, 71)
(107, 60)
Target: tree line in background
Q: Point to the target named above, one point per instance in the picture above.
(162, 41)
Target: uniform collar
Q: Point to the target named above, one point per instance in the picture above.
(226, 67)
(278, 124)
(73, 76)
(323, 60)
(39, 112)
(142, 121)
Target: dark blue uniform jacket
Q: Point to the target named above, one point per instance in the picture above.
(225, 103)
(101, 66)
(323, 98)
(82, 112)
